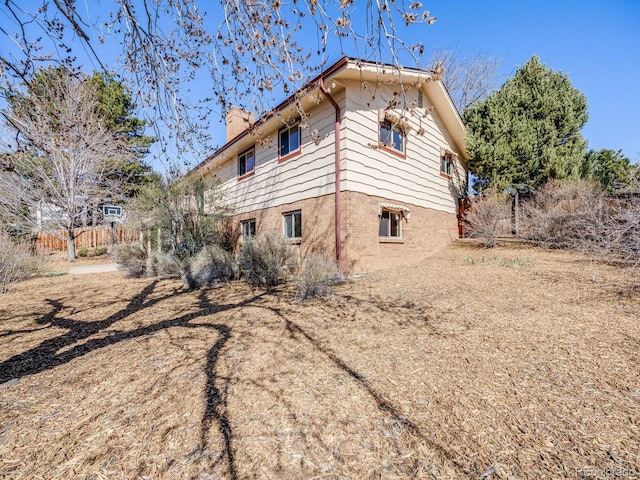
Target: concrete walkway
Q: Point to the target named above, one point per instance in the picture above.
(101, 268)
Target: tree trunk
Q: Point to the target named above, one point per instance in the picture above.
(71, 246)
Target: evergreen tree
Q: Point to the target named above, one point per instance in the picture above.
(528, 131)
(611, 169)
(116, 106)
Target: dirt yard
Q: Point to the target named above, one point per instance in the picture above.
(508, 363)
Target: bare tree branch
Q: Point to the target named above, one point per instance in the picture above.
(256, 51)
(468, 78)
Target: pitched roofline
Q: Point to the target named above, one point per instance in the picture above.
(331, 70)
(281, 106)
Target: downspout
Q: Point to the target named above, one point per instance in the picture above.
(338, 203)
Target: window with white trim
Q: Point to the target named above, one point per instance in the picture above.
(289, 140)
(446, 164)
(248, 228)
(293, 225)
(390, 224)
(246, 162)
(391, 135)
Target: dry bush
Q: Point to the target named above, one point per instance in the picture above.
(616, 231)
(161, 264)
(131, 257)
(265, 261)
(488, 218)
(213, 264)
(317, 277)
(16, 261)
(561, 214)
(580, 216)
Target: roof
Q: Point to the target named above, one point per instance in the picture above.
(353, 68)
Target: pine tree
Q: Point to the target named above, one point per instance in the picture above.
(528, 131)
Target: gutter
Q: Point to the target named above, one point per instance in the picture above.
(338, 203)
(344, 61)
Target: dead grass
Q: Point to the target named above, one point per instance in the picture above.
(514, 363)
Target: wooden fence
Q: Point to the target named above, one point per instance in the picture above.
(88, 238)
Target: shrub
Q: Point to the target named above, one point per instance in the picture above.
(163, 265)
(82, 252)
(317, 277)
(16, 261)
(561, 214)
(101, 250)
(489, 218)
(130, 257)
(265, 261)
(580, 216)
(212, 265)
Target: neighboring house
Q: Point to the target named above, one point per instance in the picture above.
(397, 143)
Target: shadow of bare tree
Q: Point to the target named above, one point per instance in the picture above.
(46, 355)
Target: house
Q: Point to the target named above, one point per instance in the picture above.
(388, 139)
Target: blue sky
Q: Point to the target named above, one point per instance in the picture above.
(596, 43)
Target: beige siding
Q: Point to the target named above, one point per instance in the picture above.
(307, 175)
(415, 179)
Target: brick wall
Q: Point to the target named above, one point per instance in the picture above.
(423, 233)
(317, 224)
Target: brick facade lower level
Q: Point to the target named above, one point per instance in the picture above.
(424, 231)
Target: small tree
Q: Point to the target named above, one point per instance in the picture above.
(68, 158)
(188, 210)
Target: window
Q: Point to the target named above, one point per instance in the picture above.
(248, 228)
(446, 162)
(246, 162)
(391, 136)
(390, 224)
(293, 225)
(289, 140)
(420, 99)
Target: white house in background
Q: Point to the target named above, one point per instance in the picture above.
(388, 139)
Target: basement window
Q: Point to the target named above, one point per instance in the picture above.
(248, 228)
(293, 225)
(390, 226)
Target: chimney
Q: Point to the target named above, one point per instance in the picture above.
(238, 121)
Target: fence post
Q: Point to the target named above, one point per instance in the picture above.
(516, 213)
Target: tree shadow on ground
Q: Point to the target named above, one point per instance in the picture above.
(47, 354)
(384, 405)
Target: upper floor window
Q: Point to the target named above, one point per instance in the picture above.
(289, 140)
(446, 164)
(392, 136)
(390, 224)
(293, 225)
(248, 228)
(247, 162)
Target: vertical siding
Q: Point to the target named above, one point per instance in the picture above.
(307, 175)
(415, 179)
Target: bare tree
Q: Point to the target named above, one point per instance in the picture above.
(468, 77)
(253, 51)
(69, 158)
